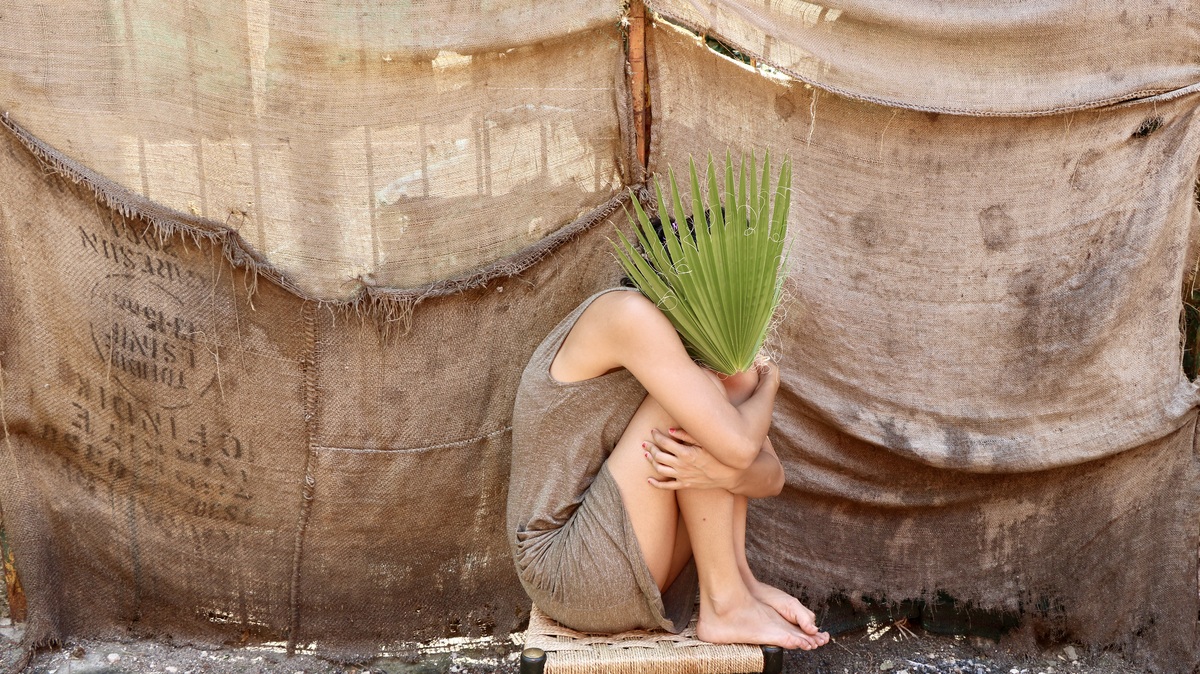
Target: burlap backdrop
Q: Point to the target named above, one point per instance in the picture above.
(982, 392)
(971, 58)
(340, 140)
(185, 458)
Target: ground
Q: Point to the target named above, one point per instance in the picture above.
(882, 649)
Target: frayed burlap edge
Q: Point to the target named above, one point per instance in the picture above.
(391, 307)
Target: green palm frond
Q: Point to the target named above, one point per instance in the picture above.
(720, 279)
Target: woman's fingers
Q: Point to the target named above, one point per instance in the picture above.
(667, 455)
(682, 436)
(663, 462)
(672, 485)
(670, 444)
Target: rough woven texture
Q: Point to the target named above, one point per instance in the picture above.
(184, 457)
(338, 139)
(1013, 306)
(1029, 57)
(980, 352)
(981, 395)
(571, 652)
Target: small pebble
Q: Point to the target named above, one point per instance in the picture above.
(1070, 653)
(114, 658)
(172, 670)
(77, 652)
(886, 665)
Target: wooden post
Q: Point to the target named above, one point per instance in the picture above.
(639, 87)
(12, 584)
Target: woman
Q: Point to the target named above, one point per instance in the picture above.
(631, 470)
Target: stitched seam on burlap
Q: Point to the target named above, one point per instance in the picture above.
(413, 450)
(309, 366)
(1131, 98)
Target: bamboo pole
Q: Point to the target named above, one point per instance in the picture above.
(639, 88)
(12, 584)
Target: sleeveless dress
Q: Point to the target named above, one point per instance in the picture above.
(571, 538)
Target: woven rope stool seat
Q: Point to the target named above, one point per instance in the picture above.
(554, 649)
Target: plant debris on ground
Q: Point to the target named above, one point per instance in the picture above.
(893, 648)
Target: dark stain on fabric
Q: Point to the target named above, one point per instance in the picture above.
(997, 227)
(891, 347)
(892, 437)
(784, 107)
(1148, 127)
(870, 227)
(861, 280)
(1067, 305)
(66, 372)
(958, 446)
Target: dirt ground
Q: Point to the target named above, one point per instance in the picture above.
(883, 649)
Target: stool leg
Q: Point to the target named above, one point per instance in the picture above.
(772, 660)
(533, 661)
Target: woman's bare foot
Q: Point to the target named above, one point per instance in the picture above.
(790, 609)
(747, 620)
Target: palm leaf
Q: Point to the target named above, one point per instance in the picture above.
(716, 272)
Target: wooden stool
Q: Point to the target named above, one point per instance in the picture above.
(551, 648)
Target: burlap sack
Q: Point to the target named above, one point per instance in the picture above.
(982, 392)
(970, 58)
(185, 456)
(338, 140)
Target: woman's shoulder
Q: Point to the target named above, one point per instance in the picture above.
(627, 307)
(619, 322)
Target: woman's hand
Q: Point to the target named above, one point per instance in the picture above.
(680, 463)
(768, 373)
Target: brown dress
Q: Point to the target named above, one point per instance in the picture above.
(572, 541)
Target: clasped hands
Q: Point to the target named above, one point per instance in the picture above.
(678, 460)
(681, 463)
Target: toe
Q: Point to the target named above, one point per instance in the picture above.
(808, 622)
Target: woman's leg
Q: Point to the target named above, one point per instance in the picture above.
(653, 512)
(784, 604)
(729, 613)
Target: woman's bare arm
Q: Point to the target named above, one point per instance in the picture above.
(624, 329)
(763, 478)
(641, 339)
